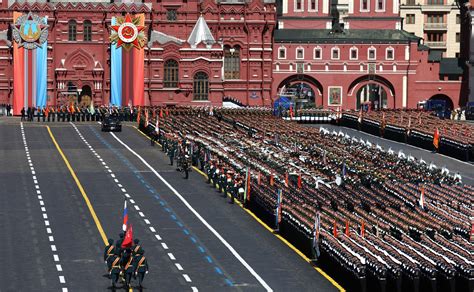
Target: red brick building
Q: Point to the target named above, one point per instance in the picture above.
(355, 54)
(228, 57)
(207, 51)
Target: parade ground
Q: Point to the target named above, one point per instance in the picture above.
(63, 187)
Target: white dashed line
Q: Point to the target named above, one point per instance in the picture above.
(194, 289)
(62, 280)
(186, 277)
(152, 229)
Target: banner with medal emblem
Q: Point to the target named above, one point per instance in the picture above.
(30, 51)
(127, 52)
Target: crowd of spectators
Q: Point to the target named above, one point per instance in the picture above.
(423, 122)
(368, 199)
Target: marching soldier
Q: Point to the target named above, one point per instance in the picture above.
(140, 266)
(109, 250)
(171, 153)
(136, 247)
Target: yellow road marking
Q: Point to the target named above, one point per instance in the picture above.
(81, 189)
(291, 246)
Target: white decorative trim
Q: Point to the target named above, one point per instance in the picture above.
(375, 53)
(296, 52)
(279, 50)
(338, 53)
(386, 53)
(320, 53)
(368, 6)
(294, 6)
(384, 3)
(354, 48)
(316, 5)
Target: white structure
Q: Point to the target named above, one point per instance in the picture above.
(436, 21)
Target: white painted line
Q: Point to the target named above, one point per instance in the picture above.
(171, 256)
(53, 247)
(43, 209)
(109, 170)
(124, 190)
(103, 163)
(56, 257)
(40, 197)
(147, 221)
(45, 216)
(119, 185)
(51, 238)
(152, 229)
(164, 245)
(194, 289)
(127, 195)
(37, 187)
(46, 222)
(141, 214)
(65, 290)
(62, 280)
(35, 181)
(158, 237)
(34, 176)
(59, 268)
(116, 180)
(132, 201)
(38, 192)
(41, 203)
(186, 203)
(178, 266)
(33, 172)
(186, 277)
(48, 230)
(112, 175)
(136, 207)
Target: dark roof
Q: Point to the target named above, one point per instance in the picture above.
(450, 66)
(435, 56)
(349, 35)
(422, 47)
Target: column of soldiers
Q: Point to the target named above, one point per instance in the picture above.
(77, 113)
(128, 260)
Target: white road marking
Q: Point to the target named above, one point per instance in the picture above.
(51, 238)
(62, 280)
(186, 277)
(59, 268)
(48, 230)
(152, 229)
(178, 266)
(53, 247)
(56, 257)
(186, 203)
(43, 209)
(194, 289)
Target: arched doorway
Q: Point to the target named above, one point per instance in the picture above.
(444, 98)
(305, 89)
(373, 94)
(85, 96)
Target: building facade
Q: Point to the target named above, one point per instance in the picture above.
(438, 22)
(356, 55)
(198, 52)
(204, 52)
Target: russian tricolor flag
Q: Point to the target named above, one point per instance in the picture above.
(125, 217)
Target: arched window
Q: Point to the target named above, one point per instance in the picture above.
(201, 86)
(87, 31)
(72, 30)
(231, 62)
(170, 74)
